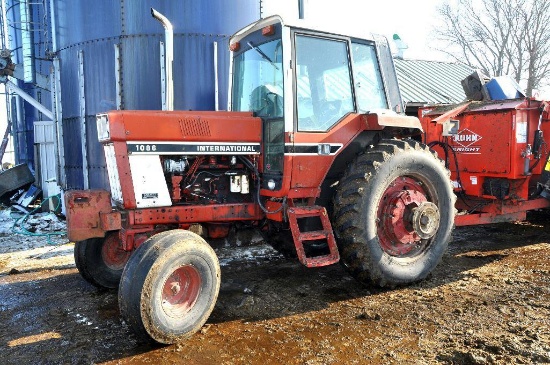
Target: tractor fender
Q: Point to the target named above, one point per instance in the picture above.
(377, 121)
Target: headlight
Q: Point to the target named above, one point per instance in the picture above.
(103, 132)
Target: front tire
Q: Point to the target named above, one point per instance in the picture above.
(169, 286)
(101, 260)
(394, 213)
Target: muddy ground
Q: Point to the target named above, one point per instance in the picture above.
(487, 302)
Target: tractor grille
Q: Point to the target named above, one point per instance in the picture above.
(196, 127)
(114, 180)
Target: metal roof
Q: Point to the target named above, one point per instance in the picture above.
(431, 82)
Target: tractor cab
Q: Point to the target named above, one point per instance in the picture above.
(304, 83)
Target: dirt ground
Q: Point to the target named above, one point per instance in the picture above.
(488, 302)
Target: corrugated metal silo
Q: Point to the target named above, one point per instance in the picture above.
(88, 34)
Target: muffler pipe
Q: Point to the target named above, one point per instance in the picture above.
(169, 44)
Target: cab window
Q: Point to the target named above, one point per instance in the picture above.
(258, 79)
(369, 88)
(324, 90)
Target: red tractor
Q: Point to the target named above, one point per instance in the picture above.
(314, 153)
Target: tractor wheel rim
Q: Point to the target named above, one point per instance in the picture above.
(406, 219)
(181, 291)
(112, 253)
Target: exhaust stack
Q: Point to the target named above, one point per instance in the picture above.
(169, 43)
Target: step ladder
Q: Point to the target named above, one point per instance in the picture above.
(295, 213)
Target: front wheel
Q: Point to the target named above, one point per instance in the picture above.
(169, 286)
(101, 260)
(394, 213)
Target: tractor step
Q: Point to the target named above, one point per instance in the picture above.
(325, 234)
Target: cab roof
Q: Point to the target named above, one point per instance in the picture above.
(306, 24)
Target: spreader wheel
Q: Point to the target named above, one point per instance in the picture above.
(394, 213)
(169, 286)
(101, 260)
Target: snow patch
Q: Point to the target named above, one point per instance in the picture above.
(246, 254)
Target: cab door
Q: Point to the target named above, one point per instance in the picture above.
(323, 98)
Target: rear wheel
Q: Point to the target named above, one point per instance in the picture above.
(169, 286)
(394, 213)
(101, 260)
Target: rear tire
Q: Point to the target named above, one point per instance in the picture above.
(101, 260)
(169, 286)
(394, 213)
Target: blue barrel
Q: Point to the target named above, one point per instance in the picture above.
(503, 87)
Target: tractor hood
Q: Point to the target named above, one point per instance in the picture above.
(179, 126)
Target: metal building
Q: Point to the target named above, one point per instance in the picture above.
(80, 57)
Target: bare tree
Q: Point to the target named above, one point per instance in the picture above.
(537, 43)
(500, 37)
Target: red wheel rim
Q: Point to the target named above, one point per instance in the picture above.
(181, 290)
(112, 253)
(396, 227)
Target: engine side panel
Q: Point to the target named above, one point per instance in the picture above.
(149, 184)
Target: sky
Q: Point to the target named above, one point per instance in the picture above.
(412, 20)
